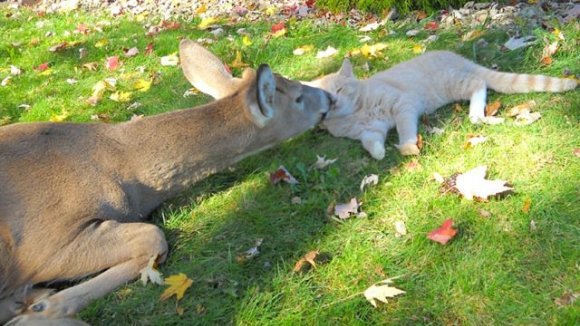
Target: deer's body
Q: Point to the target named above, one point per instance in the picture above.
(73, 196)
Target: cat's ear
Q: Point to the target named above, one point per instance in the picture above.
(346, 69)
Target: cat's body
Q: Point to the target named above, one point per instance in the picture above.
(397, 97)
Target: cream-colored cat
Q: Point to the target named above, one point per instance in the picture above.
(397, 97)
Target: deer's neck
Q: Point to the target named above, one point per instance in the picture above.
(175, 150)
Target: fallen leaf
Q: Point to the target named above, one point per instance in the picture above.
(491, 120)
(527, 118)
(250, 253)
(59, 117)
(282, 175)
(177, 285)
(567, 299)
(519, 42)
(412, 32)
(329, 52)
(527, 205)
(444, 233)
(400, 229)
(431, 26)
(491, 109)
(101, 43)
(191, 92)
(121, 96)
(296, 200)
(278, 29)
(546, 61)
(381, 291)
(170, 60)
(533, 226)
(169, 25)
(83, 52)
(473, 140)
(201, 9)
(42, 67)
(558, 34)
(419, 141)
(472, 184)
(71, 81)
(344, 211)
(308, 258)
(6, 81)
(521, 108)
(418, 48)
(483, 213)
(434, 130)
(370, 50)
(303, 49)
(148, 49)
(82, 28)
(59, 47)
(15, 71)
(238, 63)
(91, 66)
(438, 178)
(322, 162)
(150, 273)
(142, 85)
(371, 179)
(472, 35)
(207, 22)
(112, 63)
(246, 41)
(131, 52)
(576, 152)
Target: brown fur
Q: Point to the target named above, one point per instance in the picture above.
(73, 195)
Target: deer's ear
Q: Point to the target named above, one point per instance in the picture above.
(205, 71)
(346, 69)
(262, 110)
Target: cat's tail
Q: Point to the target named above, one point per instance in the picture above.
(523, 83)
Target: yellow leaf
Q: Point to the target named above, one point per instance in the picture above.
(246, 40)
(303, 49)
(101, 43)
(142, 16)
(271, 10)
(418, 48)
(527, 204)
(201, 9)
(472, 35)
(238, 63)
(121, 96)
(178, 284)
(206, 22)
(142, 85)
(59, 117)
(279, 33)
(46, 72)
(559, 35)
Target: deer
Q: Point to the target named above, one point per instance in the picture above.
(75, 197)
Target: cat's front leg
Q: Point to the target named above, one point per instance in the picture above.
(374, 143)
(406, 123)
(477, 104)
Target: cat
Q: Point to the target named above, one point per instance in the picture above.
(397, 97)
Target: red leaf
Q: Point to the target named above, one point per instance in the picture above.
(112, 63)
(169, 25)
(148, 49)
(282, 175)
(444, 233)
(42, 67)
(310, 3)
(431, 26)
(278, 27)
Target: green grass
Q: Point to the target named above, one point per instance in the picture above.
(496, 271)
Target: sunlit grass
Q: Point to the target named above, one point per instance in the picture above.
(498, 270)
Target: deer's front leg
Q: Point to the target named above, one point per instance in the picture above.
(122, 250)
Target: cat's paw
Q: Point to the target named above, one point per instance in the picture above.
(475, 119)
(408, 149)
(377, 151)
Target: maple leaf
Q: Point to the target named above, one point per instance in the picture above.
(101, 43)
(431, 26)
(207, 22)
(148, 49)
(329, 52)
(527, 205)
(82, 28)
(112, 63)
(59, 117)
(246, 41)
(371, 179)
(308, 258)
(121, 96)
(42, 67)
(472, 184)
(444, 233)
(381, 291)
(418, 48)
(59, 47)
(322, 162)
(150, 273)
(278, 30)
(521, 108)
(178, 284)
(472, 35)
(281, 174)
(170, 60)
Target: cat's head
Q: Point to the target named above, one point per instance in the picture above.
(342, 84)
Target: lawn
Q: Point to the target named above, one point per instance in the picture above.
(513, 265)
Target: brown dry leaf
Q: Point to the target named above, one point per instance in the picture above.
(308, 258)
(413, 165)
(59, 47)
(419, 141)
(577, 152)
(282, 174)
(472, 35)
(91, 66)
(322, 162)
(345, 211)
(457, 108)
(178, 284)
(250, 253)
(492, 108)
(521, 108)
(527, 205)
(567, 299)
(371, 179)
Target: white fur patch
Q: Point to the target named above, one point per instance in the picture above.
(477, 105)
